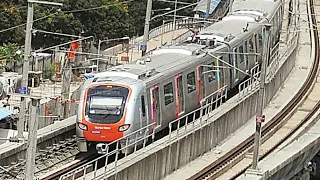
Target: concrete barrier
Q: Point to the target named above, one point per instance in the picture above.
(52, 134)
(292, 159)
(114, 50)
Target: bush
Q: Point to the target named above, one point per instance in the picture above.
(49, 71)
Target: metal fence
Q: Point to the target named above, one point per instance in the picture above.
(127, 144)
(177, 128)
(208, 104)
(275, 64)
(251, 84)
(130, 143)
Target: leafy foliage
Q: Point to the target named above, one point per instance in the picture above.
(100, 18)
(11, 52)
(49, 71)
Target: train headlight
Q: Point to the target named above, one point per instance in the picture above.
(124, 127)
(83, 126)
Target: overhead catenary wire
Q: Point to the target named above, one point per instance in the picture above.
(86, 10)
(205, 53)
(167, 69)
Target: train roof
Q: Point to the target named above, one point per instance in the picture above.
(229, 28)
(150, 66)
(182, 48)
(261, 7)
(171, 59)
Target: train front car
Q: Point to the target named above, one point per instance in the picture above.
(107, 111)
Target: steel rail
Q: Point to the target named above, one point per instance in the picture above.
(224, 163)
(80, 162)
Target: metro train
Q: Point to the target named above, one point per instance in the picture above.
(171, 82)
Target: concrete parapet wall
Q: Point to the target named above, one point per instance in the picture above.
(293, 158)
(163, 157)
(114, 50)
(52, 134)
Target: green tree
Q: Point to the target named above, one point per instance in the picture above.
(12, 13)
(49, 71)
(100, 18)
(11, 52)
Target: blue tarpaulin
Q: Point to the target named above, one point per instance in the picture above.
(4, 112)
(89, 76)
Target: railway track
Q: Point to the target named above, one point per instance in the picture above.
(55, 175)
(295, 116)
(47, 160)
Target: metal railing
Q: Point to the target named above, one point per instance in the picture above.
(176, 130)
(190, 121)
(171, 26)
(130, 143)
(251, 84)
(178, 127)
(208, 104)
(275, 64)
(125, 144)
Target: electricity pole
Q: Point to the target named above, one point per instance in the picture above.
(260, 117)
(65, 88)
(146, 28)
(24, 82)
(25, 70)
(174, 18)
(32, 138)
(34, 114)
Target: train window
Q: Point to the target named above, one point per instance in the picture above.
(211, 73)
(143, 106)
(250, 46)
(251, 57)
(260, 40)
(191, 82)
(106, 104)
(245, 50)
(241, 55)
(256, 44)
(168, 93)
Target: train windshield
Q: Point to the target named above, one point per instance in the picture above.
(105, 104)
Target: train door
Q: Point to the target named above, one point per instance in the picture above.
(180, 105)
(201, 85)
(155, 106)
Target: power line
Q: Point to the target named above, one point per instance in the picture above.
(8, 29)
(70, 11)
